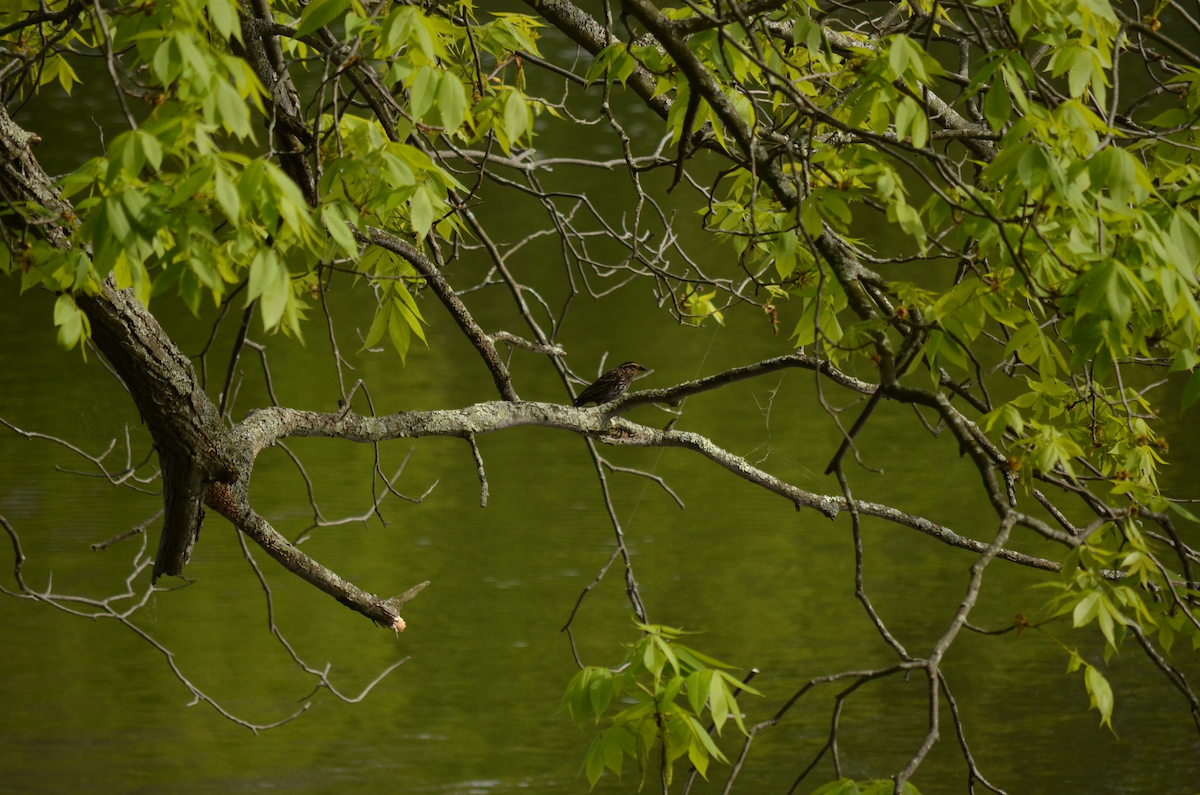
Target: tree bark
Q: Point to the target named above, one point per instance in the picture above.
(193, 445)
(200, 458)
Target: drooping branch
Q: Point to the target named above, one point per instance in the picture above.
(121, 607)
(932, 666)
(445, 293)
(385, 612)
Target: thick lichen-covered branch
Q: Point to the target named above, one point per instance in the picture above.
(265, 427)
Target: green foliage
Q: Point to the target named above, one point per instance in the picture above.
(1088, 592)
(1078, 238)
(1075, 232)
(191, 200)
(72, 323)
(670, 686)
(1090, 242)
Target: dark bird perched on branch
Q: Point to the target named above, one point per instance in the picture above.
(610, 386)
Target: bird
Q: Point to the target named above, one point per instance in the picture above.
(610, 386)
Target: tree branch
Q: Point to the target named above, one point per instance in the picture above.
(264, 427)
(385, 612)
(445, 293)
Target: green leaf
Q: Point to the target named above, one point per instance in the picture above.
(737, 684)
(374, 335)
(906, 112)
(600, 691)
(398, 331)
(1021, 338)
(997, 105)
(1080, 74)
(653, 661)
(1166, 636)
(699, 733)
(270, 282)
(235, 116)
(697, 686)
(515, 116)
(920, 131)
(810, 33)
(1184, 512)
(118, 222)
(1087, 609)
(698, 757)
(1104, 617)
(420, 212)
(678, 110)
(810, 218)
(165, 66)
(191, 185)
(619, 744)
(1021, 17)
(452, 102)
(224, 18)
(318, 14)
(667, 694)
(191, 56)
(1012, 418)
(718, 703)
(424, 91)
(335, 222)
(412, 314)
(1101, 694)
(593, 763)
(151, 148)
(668, 653)
(898, 56)
(227, 198)
(72, 324)
(574, 699)
(1119, 303)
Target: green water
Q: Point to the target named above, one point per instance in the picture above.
(88, 707)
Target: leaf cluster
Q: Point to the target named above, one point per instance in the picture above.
(668, 688)
(192, 199)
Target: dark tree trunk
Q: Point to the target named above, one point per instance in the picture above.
(194, 446)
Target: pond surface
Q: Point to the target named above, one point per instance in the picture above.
(89, 707)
